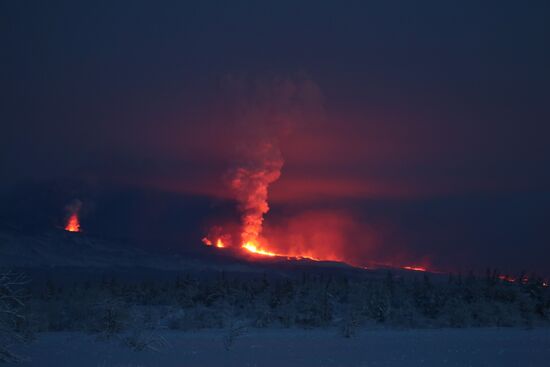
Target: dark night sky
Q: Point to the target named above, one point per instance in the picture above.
(426, 125)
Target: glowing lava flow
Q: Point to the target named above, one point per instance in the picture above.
(249, 246)
(252, 248)
(255, 249)
(415, 268)
(73, 225)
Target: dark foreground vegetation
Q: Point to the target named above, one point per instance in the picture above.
(110, 307)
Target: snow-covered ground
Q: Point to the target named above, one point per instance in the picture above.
(458, 347)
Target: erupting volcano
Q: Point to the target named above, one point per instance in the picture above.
(73, 222)
(73, 225)
(250, 183)
(261, 115)
(264, 112)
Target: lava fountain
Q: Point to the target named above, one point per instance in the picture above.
(73, 224)
(261, 112)
(250, 183)
(73, 210)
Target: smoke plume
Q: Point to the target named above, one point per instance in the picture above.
(250, 184)
(264, 112)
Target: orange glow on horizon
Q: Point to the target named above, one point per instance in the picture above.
(415, 268)
(73, 225)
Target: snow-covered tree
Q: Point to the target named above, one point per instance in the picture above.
(11, 315)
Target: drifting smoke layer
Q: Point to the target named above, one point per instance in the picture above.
(73, 209)
(250, 184)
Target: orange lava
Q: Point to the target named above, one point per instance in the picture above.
(250, 247)
(415, 268)
(219, 242)
(73, 225)
(253, 248)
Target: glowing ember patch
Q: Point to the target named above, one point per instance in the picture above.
(219, 242)
(507, 278)
(415, 268)
(73, 225)
(302, 257)
(254, 249)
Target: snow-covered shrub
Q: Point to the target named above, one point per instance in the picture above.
(349, 323)
(455, 313)
(233, 332)
(12, 319)
(140, 340)
(406, 315)
(313, 306)
(111, 307)
(378, 303)
(196, 318)
(111, 317)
